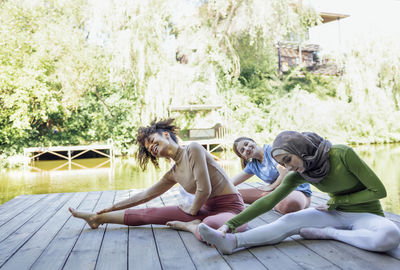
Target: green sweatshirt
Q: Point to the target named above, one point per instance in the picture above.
(351, 184)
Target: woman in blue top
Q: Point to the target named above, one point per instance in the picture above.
(256, 160)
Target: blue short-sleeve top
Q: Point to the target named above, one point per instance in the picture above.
(266, 170)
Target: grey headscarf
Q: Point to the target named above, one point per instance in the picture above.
(310, 147)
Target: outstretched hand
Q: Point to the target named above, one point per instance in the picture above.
(282, 170)
(185, 207)
(224, 229)
(267, 188)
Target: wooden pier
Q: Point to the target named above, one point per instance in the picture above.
(38, 232)
(70, 152)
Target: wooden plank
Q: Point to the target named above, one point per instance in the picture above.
(167, 238)
(27, 255)
(270, 255)
(236, 261)
(243, 259)
(20, 219)
(17, 239)
(203, 256)
(375, 260)
(142, 248)
(304, 257)
(262, 258)
(393, 217)
(349, 257)
(57, 252)
(11, 211)
(85, 252)
(7, 206)
(114, 249)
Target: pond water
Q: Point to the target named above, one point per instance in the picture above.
(100, 174)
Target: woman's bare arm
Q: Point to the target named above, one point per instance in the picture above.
(146, 195)
(198, 163)
(240, 178)
(282, 173)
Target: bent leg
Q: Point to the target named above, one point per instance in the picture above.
(251, 195)
(368, 231)
(271, 233)
(294, 202)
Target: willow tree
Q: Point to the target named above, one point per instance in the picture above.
(239, 37)
(187, 50)
(96, 69)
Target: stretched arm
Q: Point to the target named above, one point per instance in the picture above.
(152, 192)
(282, 173)
(240, 178)
(266, 203)
(198, 163)
(374, 189)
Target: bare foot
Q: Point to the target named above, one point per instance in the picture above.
(189, 226)
(88, 217)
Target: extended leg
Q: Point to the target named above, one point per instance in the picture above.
(287, 225)
(94, 220)
(271, 233)
(190, 226)
(214, 222)
(363, 230)
(159, 215)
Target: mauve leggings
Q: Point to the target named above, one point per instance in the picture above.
(215, 212)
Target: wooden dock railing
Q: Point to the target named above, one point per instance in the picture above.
(72, 152)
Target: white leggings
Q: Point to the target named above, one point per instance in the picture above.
(363, 230)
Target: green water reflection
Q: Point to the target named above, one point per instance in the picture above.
(100, 174)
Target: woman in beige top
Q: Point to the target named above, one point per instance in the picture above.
(215, 198)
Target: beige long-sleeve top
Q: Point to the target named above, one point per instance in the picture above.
(196, 171)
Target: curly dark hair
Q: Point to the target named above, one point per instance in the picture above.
(243, 162)
(156, 126)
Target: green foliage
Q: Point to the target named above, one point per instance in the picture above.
(80, 71)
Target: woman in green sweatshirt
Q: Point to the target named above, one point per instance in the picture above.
(353, 214)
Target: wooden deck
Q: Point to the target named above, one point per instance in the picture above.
(37, 232)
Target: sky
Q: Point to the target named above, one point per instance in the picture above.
(368, 18)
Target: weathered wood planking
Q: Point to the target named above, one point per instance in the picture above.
(86, 249)
(143, 252)
(38, 232)
(57, 252)
(114, 248)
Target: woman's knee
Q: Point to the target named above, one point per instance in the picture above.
(212, 222)
(289, 218)
(217, 220)
(290, 206)
(386, 239)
